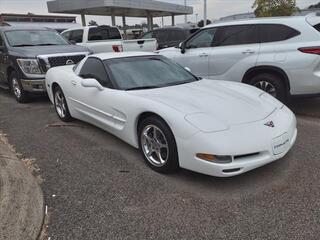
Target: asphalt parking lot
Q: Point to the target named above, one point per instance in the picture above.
(103, 190)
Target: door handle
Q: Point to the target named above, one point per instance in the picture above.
(203, 55)
(74, 83)
(248, 51)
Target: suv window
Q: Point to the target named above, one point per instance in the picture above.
(162, 36)
(237, 35)
(203, 39)
(317, 27)
(66, 35)
(76, 35)
(276, 32)
(176, 35)
(147, 35)
(103, 33)
(1, 41)
(94, 68)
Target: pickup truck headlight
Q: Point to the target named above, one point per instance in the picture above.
(29, 66)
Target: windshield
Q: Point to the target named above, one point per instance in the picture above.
(34, 38)
(147, 72)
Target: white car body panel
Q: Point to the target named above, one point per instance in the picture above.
(217, 117)
(231, 63)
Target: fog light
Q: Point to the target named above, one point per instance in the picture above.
(207, 157)
(214, 158)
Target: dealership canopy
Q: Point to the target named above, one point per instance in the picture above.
(123, 8)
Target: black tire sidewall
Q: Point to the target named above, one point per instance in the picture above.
(68, 117)
(172, 162)
(277, 82)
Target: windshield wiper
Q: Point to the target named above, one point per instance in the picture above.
(47, 44)
(141, 88)
(23, 45)
(180, 83)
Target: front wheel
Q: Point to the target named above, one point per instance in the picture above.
(17, 89)
(60, 105)
(158, 145)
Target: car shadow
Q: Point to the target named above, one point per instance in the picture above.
(34, 98)
(308, 107)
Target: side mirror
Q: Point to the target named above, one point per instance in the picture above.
(188, 69)
(182, 46)
(91, 83)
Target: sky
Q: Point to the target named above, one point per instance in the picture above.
(216, 9)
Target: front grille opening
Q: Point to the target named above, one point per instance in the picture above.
(239, 157)
(231, 170)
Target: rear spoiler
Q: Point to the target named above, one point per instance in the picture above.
(313, 18)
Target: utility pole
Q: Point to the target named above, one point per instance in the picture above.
(197, 18)
(185, 16)
(205, 13)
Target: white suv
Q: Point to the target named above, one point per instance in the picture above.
(278, 55)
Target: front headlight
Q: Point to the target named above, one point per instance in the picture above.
(29, 66)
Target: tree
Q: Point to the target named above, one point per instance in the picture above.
(93, 23)
(200, 24)
(270, 8)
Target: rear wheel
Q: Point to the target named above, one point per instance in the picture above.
(271, 84)
(157, 145)
(61, 105)
(17, 89)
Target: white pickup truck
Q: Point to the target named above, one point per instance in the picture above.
(100, 39)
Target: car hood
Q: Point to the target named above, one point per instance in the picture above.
(224, 102)
(33, 52)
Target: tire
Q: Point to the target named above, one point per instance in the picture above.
(271, 84)
(17, 89)
(164, 144)
(60, 105)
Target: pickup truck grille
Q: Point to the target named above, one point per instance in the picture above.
(56, 61)
(65, 60)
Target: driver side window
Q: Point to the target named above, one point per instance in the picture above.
(1, 42)
(94, 68)
(203, 39)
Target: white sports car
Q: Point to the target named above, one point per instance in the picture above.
(176, 119)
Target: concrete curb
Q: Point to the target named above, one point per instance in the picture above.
(21, 198)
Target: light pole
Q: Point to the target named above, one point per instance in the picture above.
(185, 16)
(205, 13)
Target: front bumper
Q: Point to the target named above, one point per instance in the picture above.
(33, 85)
(250, 146)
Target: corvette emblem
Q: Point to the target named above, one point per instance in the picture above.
(69, 62)
(269, 124)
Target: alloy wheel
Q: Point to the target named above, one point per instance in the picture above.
(60, 104)
(155, 145)
(267, 87)
(16, 87)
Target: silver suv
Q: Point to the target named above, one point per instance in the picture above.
(278, 55)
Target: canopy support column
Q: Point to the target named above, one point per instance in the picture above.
(83, 19)
(173, 20)
(149, 21)
(124, 26)
(113, 20)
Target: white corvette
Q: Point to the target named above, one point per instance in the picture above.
(176, 119)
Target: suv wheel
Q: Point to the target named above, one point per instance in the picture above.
(16, 88)
(270, 84)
